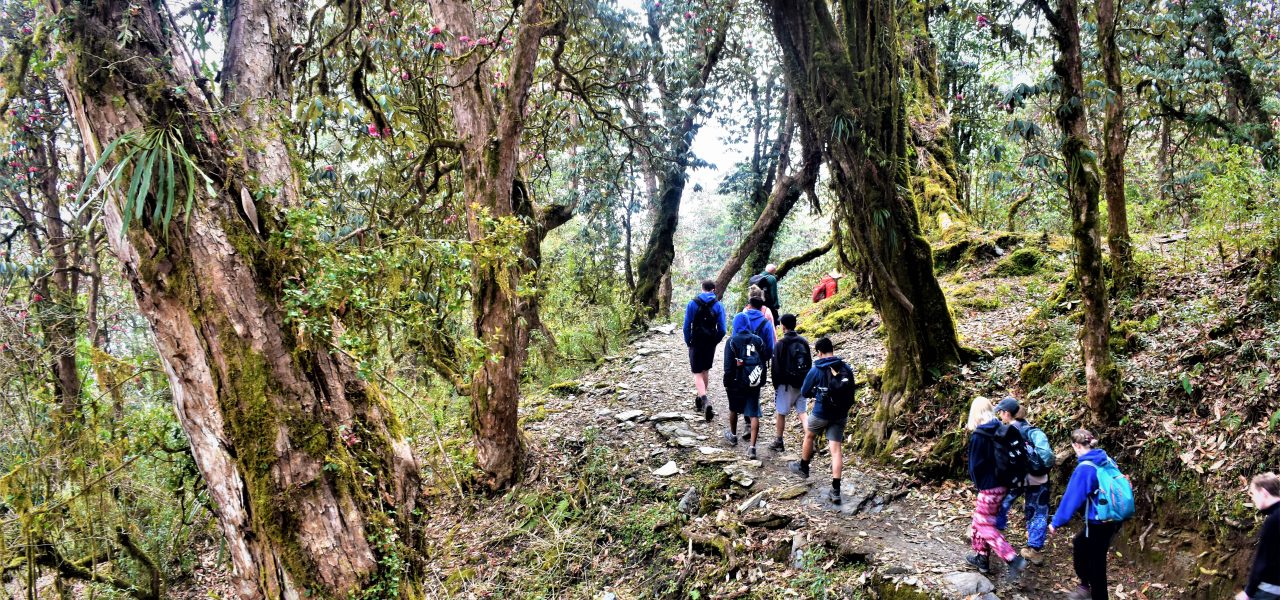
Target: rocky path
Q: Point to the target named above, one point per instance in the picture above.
(909, 535)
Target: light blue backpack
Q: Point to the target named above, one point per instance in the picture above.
(1113, 500)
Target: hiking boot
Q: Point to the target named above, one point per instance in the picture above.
(746, 435)
(776, 446)
(707, 413)
(981, 561)
(698, 401)
(730, 437)
(832, 496)
(751, 453)
(1016, 567)
(1080, 593)
(1034, 555)
(798, 468)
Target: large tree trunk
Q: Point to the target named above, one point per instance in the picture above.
(302, 459)
(1246, 97)
(681, 106)
(490, 128)
(1115, 146)
(849, 91)
(1101, 374)
(935, 180)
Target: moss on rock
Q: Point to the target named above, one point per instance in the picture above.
(1022, 262)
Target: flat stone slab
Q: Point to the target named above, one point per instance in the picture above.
(666, 416)
(629, 415)
(672, 430)
(767, 520)
(750, 503)
(667, 470)
(793, 492)
(709, 450)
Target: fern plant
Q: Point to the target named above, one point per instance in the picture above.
(154, 161)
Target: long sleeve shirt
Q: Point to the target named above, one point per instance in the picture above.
(1266, 559)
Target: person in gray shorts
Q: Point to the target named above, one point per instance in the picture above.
(830, 412)
(791, 363)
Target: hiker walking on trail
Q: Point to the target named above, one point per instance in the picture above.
(831, 384)
(791, 364)
(827, 287)
(1099, 488)
(703, 330)
(755, 292)
(1264, 577)
(997, 462)
(746, 357)
(768, 282)
(1035, 488)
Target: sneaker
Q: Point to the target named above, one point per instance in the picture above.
(981, 561)
(776, 446)
(698, 401)
(798, 468)
(707, 413)
(1080, 592)
(746, 435)
(751, 453)
(730, 437)
(1034, 555)
(1016, 567)
(832, 496)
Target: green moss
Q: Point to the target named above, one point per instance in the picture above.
(565, 388)
(839, 313)
(1021, 262)
(1124, 337)
(1037, 373)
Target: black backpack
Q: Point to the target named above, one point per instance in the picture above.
(798, 360)
(841, 387)
(758, 281)
(750, 370)
(1010, 450)
(704, 322)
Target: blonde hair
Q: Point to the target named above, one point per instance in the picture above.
(1084, 437)
(980, 411)
(755, 292)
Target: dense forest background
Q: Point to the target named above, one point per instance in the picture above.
(284, 281)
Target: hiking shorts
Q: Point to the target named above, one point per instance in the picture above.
(701, 356)
(787, 398)
(744, 401)
(834, 429)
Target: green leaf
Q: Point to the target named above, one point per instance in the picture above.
(1186, 382)
(168, 192)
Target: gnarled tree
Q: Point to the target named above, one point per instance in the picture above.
(1115, 144)
(847, 79)
(304, 463)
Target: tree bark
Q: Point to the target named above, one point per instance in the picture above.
(849, 87)
(1115, 146)
(1102, 378)
(302, 459)
(681, 108)
(935, 180)
(490, 128)
(1247, 96)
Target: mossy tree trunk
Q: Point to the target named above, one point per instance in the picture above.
(1102, 378)
(682, 106)
(303, 460)
(1115, 145)
(1245, 96)
(848, 86)
(489, 127)
(936, 177)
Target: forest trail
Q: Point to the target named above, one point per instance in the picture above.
(908, 535)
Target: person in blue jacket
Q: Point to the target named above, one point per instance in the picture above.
(703, 330)
(744, 399)
(1090, 546)
(825, 419)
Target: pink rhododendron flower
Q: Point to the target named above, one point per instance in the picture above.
(434, 31)
(438, 46)
(373, 130)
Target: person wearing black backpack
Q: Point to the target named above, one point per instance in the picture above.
(746, 359)
(1035, 488)
(831, 384)
(791, 363)
(703, 330)
(997, 462)
(768, 281)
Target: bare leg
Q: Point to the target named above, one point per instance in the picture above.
(780, 421)
(700, 382)
(755, 430)
(733, 423)
(806, 452)
(837, 458)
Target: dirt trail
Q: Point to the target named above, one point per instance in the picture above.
(909, 533)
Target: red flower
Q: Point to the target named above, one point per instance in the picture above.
(688, 14)
(434, 31)
(439, 46)
(464, 38)
(328, 168)
(982, 21)
(373, 130)
(37, 297)
(482, 41)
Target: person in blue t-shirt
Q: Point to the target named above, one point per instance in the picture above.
(703, 330)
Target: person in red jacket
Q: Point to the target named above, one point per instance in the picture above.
(828, 287)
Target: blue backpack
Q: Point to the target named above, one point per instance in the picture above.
(1113, 500)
